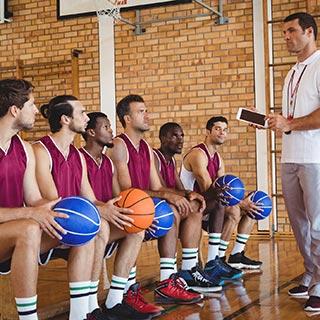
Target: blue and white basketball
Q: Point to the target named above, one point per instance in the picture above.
(264, 202)
(83, 222)
(234, 192)
(162, 221)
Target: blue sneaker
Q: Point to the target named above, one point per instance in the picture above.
(217, 269)
(198, 281)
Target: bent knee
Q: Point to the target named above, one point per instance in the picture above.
(233, 213)
(31, 232)
(104, 232)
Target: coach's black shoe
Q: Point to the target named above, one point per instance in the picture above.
(123, 311)
(240, 261)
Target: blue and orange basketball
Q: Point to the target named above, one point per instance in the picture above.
(162, 221)
(141, 204)
(234, 192)
(83, 222)
(264, 202)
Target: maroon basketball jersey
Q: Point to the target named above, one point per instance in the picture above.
(213, 164)
(100, 176)
(167, 169)
(66, 172)
(13, 164)
(138, 163)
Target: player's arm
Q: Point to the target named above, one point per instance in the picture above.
(108, 210)
(43, 173)
(115, 184)
(37, 208)
(174, 197)
(119, 157)
(157, 167)
(198, 162)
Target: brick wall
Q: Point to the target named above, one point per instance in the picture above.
(187, 70)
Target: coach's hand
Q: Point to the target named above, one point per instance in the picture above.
(44, 215)
(116, 215)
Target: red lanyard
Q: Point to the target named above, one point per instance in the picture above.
(292, 94)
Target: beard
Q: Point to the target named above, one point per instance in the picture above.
(75, 129)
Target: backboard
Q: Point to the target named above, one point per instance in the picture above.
(69, 9)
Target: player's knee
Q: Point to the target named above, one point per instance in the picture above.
(233, 214)
(104, 232)
(31, 235)
(137, 237)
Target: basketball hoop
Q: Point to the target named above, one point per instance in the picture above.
(110, 8)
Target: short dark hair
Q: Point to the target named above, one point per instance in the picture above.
(167, 127)
(213, 120)
(93, 116)
(305, 20)
(55, 109)
(123, 106)
(13, 92)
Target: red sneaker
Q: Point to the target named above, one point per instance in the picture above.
(134, 299)
(174, 290)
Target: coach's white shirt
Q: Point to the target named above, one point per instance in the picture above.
(303, 146)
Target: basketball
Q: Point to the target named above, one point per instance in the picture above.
(83, 222)
(263, 201)
(162, 221)
(143, 208)
(235, 189)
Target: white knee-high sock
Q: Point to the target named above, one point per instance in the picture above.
(223, 248)
(93, 297)
(79, 300)
(189, 258)
(240, 243)
(116, 291)
(213, 245)
(131, 279)
(27, 308)
(167, 268)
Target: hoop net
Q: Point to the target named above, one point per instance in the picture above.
(110, 8)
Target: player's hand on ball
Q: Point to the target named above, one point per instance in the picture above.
(249, 207)
(116, 215)
(181, 203)
(44, 215)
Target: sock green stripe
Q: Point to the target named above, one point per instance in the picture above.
(26, 304)
(119, 282)
(243, 237)
(189, 253)
(167, 263)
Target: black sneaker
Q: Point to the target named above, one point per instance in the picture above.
(298, 291)
(123, 311)
(239, 260)
(98, 314)
(198, 281)
(236, 273)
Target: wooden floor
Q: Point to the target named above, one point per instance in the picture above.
(261, 295)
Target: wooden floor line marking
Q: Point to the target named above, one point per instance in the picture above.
(259, 300)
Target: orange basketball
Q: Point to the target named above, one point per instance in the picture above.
(141, 204)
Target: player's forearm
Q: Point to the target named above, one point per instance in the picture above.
(11, 214)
